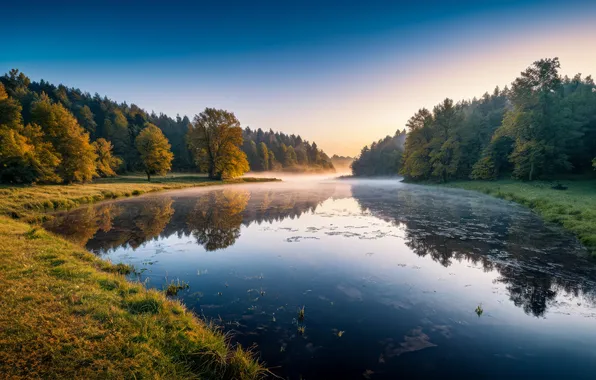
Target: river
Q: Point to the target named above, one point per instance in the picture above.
(396, 280)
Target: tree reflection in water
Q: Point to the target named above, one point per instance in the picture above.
(443, 225)
(216, 218)
(450, 225)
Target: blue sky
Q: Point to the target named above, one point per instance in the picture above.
(341, 73)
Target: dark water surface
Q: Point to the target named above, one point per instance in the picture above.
(390, 276)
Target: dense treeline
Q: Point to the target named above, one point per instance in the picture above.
(544, 126)
(278, 151)
(57, 134)
(383, 158)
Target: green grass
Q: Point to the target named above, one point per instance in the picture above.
(68, 314)
(574, 209)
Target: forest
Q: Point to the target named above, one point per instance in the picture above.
(542, 127)
(56, 134)
(278, 151)
(383, 158)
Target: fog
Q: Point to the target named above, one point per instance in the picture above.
(299, 177)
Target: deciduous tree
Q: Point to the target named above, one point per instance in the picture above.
(154, 149)
(106, 163)
(215, 138)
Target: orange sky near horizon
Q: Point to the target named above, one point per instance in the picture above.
(385, 106)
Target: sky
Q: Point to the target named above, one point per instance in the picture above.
(340, 73)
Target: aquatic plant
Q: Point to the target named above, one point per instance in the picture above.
(301, 313)
(301, 329)
(174, 287)
(340, 333)
(479, 310)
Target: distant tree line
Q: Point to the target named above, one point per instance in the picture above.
(383, 158)
(278, 151)
(55, 134)
(544, 126)
(341, 162)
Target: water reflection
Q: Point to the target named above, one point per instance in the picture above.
(216, 218)
(535, 262)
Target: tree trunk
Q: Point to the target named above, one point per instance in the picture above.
(531, 170)
(212, 171)
(148, 177)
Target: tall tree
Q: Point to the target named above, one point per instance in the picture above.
(154, 150)
(70, 141)
(263, 156)
(215, 138)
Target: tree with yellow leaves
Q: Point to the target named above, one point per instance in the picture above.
(214, 139)
(154, 149)
(106, 162)
(70, 141)
(24, 155)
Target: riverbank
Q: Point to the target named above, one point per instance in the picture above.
(31, 203)
(574, 208)
(68, 314)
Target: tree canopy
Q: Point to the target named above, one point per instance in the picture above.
(278, 151)
(383, 158)
(51, 133)
(215, 138)
(154, 150)
(542, 127)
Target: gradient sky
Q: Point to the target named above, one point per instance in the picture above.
(340, 73)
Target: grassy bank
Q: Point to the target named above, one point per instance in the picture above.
(67, 314)
(574, 208)
(30, 203)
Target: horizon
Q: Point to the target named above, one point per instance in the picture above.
(297, 71)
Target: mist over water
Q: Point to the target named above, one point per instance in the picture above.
(299, 177)
(390, 276)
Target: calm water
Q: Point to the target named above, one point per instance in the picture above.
(390, 276)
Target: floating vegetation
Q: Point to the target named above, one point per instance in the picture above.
(340, 333)
(174, 287)
(220, 294)
(273, 318)
(262, 292)
(202, 272)
(301, 329)
(297, 239)
(479, 310)
(197, 295)
(282, 348)
(301, 314)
